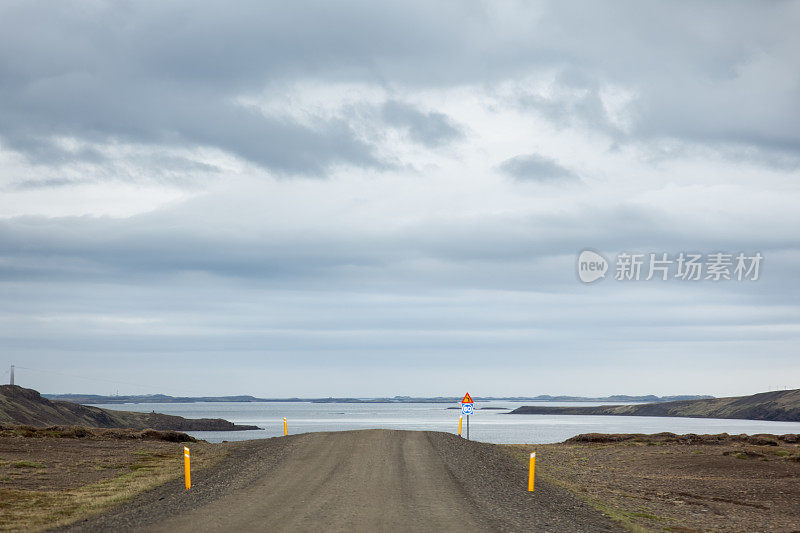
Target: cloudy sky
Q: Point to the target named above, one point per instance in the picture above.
(376, 199)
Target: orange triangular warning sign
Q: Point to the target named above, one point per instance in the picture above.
(467, 399)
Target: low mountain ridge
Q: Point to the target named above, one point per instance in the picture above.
(148, 398)
(19, 405)
(776, 406)
(163, 398)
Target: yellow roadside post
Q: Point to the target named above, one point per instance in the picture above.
(532, 470)
(285, 428)
(460, 419)
(187, 467)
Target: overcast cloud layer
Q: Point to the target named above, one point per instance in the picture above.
(361, 199)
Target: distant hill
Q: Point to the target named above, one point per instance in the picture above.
(94, 399)
(779, 406)
(151, 398)
(615, 398)
(26, 406)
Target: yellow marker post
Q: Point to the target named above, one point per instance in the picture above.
(531, 472)
(187, 467)
(460, 419)
(285, 428)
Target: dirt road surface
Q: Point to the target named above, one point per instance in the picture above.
(372, 480)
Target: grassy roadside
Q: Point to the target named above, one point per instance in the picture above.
(47, 482)
(660, 486)
(548, 473)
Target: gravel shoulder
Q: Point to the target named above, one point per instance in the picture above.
(372, 480)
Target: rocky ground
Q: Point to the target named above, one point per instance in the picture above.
(681, 483)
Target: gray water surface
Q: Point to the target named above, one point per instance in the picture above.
(485, 425)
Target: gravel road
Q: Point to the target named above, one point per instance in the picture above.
(372, 480)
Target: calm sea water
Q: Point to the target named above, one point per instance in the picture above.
(485, 425)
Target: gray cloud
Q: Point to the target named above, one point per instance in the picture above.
(278, 144)
(152, 167)
(166, 288)
(422, 260)
(431, 129)
(156, 246)
(152, 73)
(534, 167)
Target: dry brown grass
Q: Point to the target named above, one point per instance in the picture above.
(57, 492)
(667, 486)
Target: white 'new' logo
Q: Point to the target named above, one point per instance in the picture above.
(591, 266)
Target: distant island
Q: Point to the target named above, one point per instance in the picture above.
(19, 405)
(93, 399)
(776, 406)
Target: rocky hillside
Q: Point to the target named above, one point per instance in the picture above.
(26, 406)
(779, 405)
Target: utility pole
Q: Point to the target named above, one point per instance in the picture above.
(12, 375)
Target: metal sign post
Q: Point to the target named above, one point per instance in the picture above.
(467, 409)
